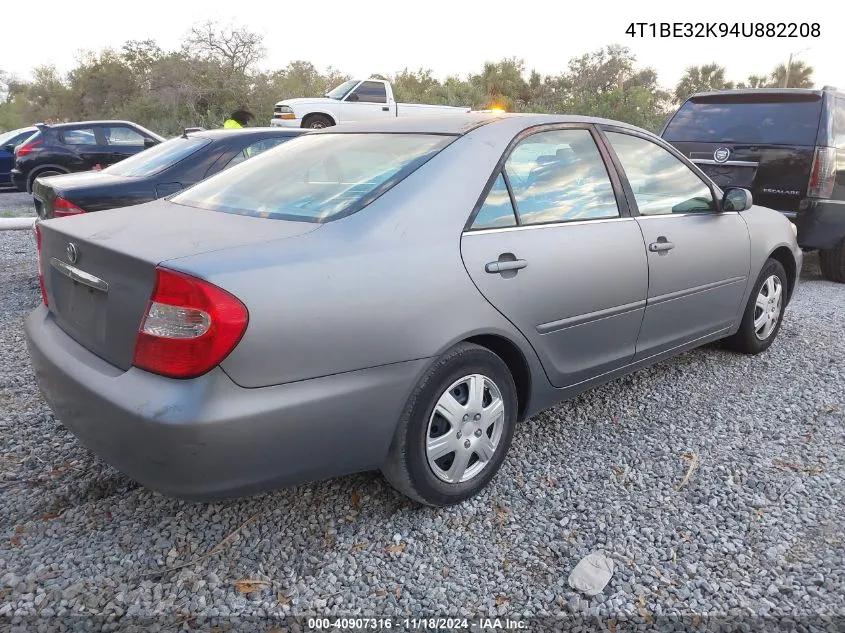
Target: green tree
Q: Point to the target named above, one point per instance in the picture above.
(701, 79)
(798, 75)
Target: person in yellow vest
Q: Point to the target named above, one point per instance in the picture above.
(238, 119)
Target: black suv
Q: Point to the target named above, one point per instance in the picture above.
(70, 147)
(786, 145)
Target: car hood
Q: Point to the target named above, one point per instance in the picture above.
(307, 101)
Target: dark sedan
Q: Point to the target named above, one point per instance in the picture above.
(8, 142)
(154, 173)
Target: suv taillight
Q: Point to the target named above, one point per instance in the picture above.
(823, 173)
(63, 208)
(40, 273)
(27, 148)
(189, 328)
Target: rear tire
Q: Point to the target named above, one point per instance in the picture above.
(30, 183)
(764, 311)
(317, 122)
(456, 428)
(832, 263)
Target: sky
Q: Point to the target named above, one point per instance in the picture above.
(363, 37)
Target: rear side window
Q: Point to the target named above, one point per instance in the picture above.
(763, 119)
(497, 210)
(839, 123)
(559, 176)
(315, 178)
(157, 158)
(82, 136)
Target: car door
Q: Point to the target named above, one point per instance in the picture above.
(553, 248)
(7, 158)
(698, 255)
(367, 101)
(88, 150)
(121, 141)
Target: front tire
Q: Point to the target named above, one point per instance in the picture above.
(764, 311)
(832, 263)
(317, 122)
(456, 428)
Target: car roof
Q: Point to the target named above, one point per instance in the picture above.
(763, 91)
(460, 124)
(246, 131)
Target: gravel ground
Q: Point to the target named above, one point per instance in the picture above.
(756, 530)
(14, 204)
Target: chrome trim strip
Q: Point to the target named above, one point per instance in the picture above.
(691, 291)
(525, 227)
(554, 326)
(80, 276)
(656, 216)
(727, 163)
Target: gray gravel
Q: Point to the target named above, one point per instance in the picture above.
(757, 529)
(14, 204)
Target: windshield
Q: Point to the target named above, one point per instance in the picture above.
(315, 178)
(5, 137)
(157, 158)
(342, 90)
(765, 119)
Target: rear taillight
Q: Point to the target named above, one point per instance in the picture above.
(823, 173)
(189, 328)
(63, 208)
(27, 148)
(40, 273)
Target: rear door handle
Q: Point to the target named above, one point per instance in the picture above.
(660, 247)
(502, 266)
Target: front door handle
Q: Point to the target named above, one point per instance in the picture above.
(660, 247)
(505, 265)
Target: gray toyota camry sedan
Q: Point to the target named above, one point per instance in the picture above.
(392, 295)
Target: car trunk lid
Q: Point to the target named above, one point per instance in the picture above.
(99, 270)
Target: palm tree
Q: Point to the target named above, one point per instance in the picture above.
(799, 75)
(701, 79)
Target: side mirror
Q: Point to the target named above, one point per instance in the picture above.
(352, 97)
(149, 142)
(737, 199)
(9, 148)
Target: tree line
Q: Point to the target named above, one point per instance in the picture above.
(217, 69)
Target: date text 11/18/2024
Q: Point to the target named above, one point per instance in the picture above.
(415, 624)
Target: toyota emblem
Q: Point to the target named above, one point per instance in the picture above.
(72, 253)
(721, 154)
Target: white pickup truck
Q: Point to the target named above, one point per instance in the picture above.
(354, 100)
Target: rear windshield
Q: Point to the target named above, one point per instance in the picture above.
(315, 178)
(157, 158)
(760, 119)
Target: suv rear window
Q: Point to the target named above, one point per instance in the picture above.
(156, 158)
(763, 119)
(315, 178)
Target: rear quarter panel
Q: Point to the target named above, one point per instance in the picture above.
(382, 286)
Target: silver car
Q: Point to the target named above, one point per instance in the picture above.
(392, 295)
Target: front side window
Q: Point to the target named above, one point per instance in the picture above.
(370, 92)
(157, 158)
(497, 210)
(253, 150)
(120, 135)
(559, 176)
(662, 184)
(83, 136)
(315, 178)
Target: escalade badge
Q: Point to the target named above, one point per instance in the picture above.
(721, 154)
(72, 252)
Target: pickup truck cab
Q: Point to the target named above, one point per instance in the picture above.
(353, 100)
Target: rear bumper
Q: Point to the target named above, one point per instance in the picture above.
(208, 438)
(18, 179)
(821, 223)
